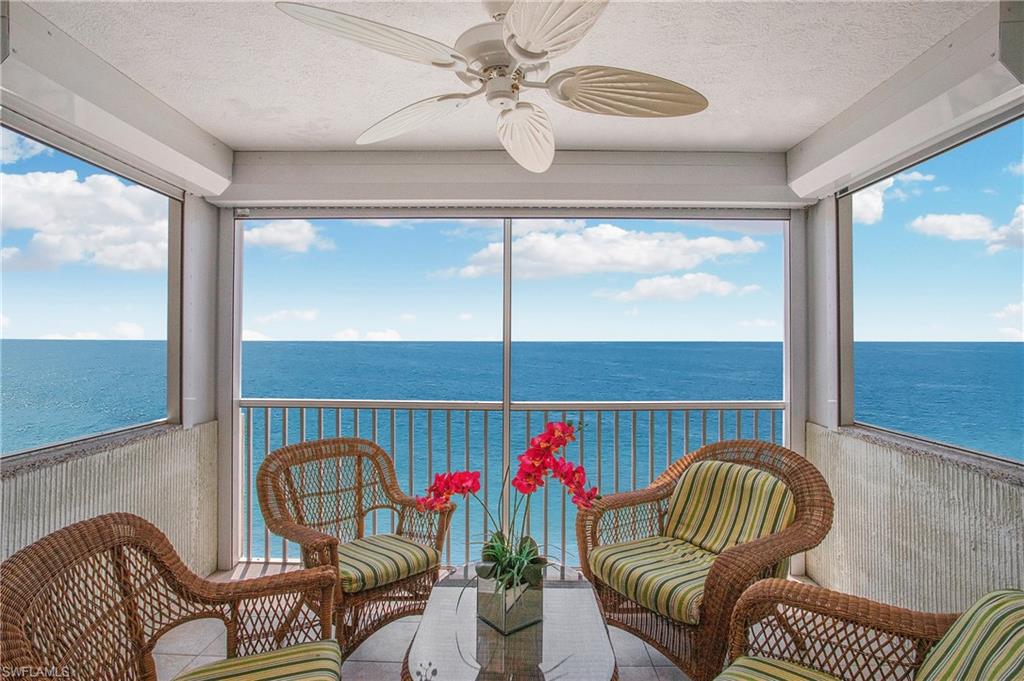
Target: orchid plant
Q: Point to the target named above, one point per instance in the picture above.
(515, 559)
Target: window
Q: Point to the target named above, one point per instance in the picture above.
(85, 281)
(937, 288)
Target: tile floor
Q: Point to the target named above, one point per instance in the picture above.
(379, 658)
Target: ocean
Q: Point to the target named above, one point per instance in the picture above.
(967, 394)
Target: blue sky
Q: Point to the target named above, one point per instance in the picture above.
(937, 257)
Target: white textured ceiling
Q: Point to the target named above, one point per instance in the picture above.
(259, 80)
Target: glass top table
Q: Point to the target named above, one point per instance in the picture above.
(570, 644)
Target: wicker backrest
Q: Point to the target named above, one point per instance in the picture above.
(810, 492)
(328, 485)
(91, 599)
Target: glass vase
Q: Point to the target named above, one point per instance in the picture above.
(507, 610)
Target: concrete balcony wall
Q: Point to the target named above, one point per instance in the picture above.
(915, 526)
(167, 475)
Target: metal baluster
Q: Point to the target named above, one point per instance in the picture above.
(615, 453)
(703, 427)
(448, 469)
(757, 425)
(430, 445)
(721, 425)
(465, 437)
(411, 480)
(266, 451)
(487, 472)
(668, 438)
(773, 426)
(284, 441)
(391, 453)
(600, 417)
(650, 446)
(373, 432)
(686, 432)
(739, 427)
(632, 449)
(248, 485)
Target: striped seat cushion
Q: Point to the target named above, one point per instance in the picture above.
(320, 661)
(663, 574)
(761, 669)
(381, 559)
(719, 504)
(986, 642)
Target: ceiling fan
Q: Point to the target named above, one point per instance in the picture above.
(503, 58)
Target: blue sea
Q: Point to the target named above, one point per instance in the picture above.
(966, 394)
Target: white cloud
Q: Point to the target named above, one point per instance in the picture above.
(253, 335)
(898, 194)
(294, 236)
(99, 219)
(522, 226)
(77, 335)
(941, 188)
(289, 315)
(758, 323)
(407, 317)
(14, 147)
(1016, 168)
(346, 335)
(632, 312)
(869, 203)
(990, 191)
(974, 227)
(603, 248)
(465, 316)
(385, 335)
(1011, 311)
(129, 331)
(914, 176)
(684, 287)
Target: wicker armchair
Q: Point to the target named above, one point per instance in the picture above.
(699, 649)
(844, 636)
(318, 494)
(91, 600)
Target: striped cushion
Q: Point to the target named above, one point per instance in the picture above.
(761, 669)
(320, 661)
(663, 574)
(381, 559)
(986, 642)
(718, 504)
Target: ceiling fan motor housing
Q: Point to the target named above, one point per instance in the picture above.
(502, 92)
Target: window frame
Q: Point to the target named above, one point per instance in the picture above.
(90, 442)
(845, 304)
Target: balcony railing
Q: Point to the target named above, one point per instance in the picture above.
(623, 445)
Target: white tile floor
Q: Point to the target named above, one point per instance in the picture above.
(379, 659)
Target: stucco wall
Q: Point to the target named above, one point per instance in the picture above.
(168, 476)
(922, 529)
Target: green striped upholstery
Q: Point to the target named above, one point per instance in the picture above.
(663, 574)
(762, 669)
(986, 642)
(380, 559)
(719, 504)
(320, 661)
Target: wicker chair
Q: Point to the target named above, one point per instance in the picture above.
(781, 629)
(318, 494)
(699, 648)
(91, 600)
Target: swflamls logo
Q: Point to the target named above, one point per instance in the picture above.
(25, 672)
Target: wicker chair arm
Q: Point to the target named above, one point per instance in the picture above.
(839, 634)
(273, 611)
(429, 528)
(621, 517)
(318, 548)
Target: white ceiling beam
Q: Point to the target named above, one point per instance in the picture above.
(972, 76)
(491, 178)
(53, 80)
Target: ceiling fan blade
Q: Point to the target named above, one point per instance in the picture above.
(543, 30)
(527, 136)
(621, 92)
(377, 36)
(414, 116)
